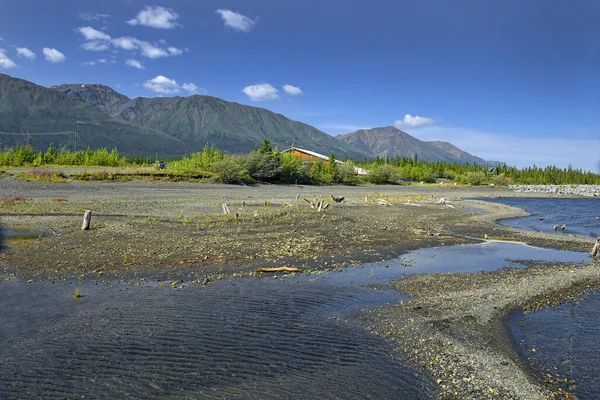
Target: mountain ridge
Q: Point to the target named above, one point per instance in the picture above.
(96, 115)
(392, 142)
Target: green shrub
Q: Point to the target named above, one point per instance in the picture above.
(346, 174)
(293, 169)
(384, 174)
(232, 169)
(264, 166)
(474, 178)
(499, 180)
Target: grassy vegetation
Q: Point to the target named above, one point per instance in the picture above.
(266, 164)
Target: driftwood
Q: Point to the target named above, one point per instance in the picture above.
(320, 206)
(596, 248)
(225, 208)
(312, 205)
(277, 269)
(297, 196)
(383, 202)
(87, 219)
(337, 199)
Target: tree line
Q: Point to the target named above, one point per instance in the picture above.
(268, 164)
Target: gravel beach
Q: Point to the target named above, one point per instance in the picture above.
(453, 325)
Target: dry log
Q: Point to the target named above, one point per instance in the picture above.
(87, 219)
(277, 269)
(383, 202)
(596, 248)
(320, 207)
(312, 205)
(337, 199)
(225, 209)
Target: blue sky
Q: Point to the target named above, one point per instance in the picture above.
(512, 80)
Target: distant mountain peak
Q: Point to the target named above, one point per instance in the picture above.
(100, 96)
(389, 141)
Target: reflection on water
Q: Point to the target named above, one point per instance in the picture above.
(289, 337)
(579, 215)
(565, 339)
(239, 338)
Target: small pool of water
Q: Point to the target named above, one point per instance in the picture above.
(565, 340)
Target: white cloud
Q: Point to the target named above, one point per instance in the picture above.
(1, 40)
(151, 51)
(53, 55)
(101, 41)
(25, 52)
(236, 21)
(90, 33)
(90, 63)
(125, 43)
(93, 16)
(292, 90)
(147, 49)
(134, 63)
(156, 17)
(6, 62)
(261, 92)
(193, 89)
(163, 85)
(518, 150)
(174, 51)
(95, 45)
(409, 120)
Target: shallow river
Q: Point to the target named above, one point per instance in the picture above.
(566, 339)
(581, 216)
(266, 338)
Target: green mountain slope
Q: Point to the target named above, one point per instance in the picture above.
(392, 142)
(29, 112)
(99, 96)
(232, 127)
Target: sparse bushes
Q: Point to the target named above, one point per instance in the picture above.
(22, 155)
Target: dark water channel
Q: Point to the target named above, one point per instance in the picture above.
(250, 338)
(579, 215)
(566, 338)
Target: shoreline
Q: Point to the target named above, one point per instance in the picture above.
(132, 219)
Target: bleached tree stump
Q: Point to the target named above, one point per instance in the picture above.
(596, 248)
(87, 219)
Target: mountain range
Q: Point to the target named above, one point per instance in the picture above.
(94, 115)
